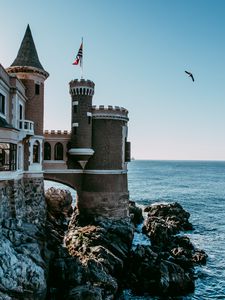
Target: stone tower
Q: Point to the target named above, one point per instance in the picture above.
(29, 70)
(104, 186)
(98, 147)
(80, 150)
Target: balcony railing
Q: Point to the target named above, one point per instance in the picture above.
(27, 126)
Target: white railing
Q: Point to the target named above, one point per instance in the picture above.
(27, 126)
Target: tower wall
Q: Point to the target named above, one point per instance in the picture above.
(81, 92)
(35, 105)
(104, 188)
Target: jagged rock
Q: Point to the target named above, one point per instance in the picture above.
(199, 257)
(86, 292)
(135, 213)
(59, 202)
(22, 265)
(174, 280)
(175, 217)
(164, 221)
(91, 258)
(149, 273)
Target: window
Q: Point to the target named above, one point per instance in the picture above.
(36, 150)
(8, 156)
(75, 109)
(37, 89)
(58, 155)
(89, 120)
(21, 112)
(47, 151)
(2, 104)
(75, 130)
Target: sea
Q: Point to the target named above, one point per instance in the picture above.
(199, 186)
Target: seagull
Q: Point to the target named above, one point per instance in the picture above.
(190, 74)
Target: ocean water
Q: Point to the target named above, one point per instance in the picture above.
(199, 186)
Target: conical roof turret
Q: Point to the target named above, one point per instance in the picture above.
(27, 54)
(27, 60)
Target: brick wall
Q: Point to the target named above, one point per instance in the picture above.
(35, 105)
(107, 144)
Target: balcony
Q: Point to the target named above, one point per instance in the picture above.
(27, 127)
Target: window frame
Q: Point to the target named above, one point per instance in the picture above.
(2, 104)
(47, 151)
(8, 157)
(58, 151)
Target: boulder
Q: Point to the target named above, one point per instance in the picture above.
(135, 213)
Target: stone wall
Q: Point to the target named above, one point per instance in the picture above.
(114, 206)
(23, 200)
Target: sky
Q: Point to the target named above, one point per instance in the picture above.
(136, 52)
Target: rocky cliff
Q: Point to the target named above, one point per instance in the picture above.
(59, 254)
(23, 255)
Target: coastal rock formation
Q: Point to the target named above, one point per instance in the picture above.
(135, 212)
(165, 267)
(150, 273)
(23, 255)
(23, 267)
(95, 259)
(87, 256)
(73, 256)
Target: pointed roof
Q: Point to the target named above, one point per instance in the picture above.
(27, 54)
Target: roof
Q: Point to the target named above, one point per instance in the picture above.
(27, 54)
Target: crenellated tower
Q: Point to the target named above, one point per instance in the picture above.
(80, 148)
(104, 185)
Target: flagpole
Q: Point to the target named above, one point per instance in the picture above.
(82, 67)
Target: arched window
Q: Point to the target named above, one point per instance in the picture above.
(47, 151)
(36, 152)
(58, 151)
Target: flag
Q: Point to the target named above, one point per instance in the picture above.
(79, 55)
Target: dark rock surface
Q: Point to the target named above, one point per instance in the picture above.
(167, 266)
(87, 256)
(135, 212)
(72, 256)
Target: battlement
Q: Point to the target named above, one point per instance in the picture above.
(57, 133)
(82, 87)
(110, 112)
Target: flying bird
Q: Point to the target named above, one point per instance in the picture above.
(190, 74)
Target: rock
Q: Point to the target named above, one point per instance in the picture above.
(23, 268)
(199, 257)
(59, 202)
(86, 292)
(135, 213)
(174, 215)
(73, 256)
(150, 274)
(174, 280)
(164, 221)
(166, 267)
(90, 261)
(144, 270)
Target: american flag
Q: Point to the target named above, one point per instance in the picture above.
(79, 55)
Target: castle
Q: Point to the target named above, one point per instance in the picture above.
(92, 158)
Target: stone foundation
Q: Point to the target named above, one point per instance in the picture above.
(108, 205)
(23, 200)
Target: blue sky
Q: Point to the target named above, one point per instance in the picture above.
(136, 52)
